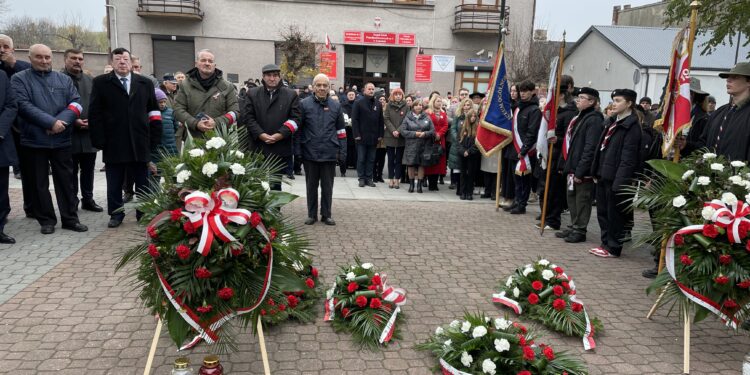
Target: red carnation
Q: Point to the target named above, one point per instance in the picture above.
(709, 230)
(375, 303)
(292, 301)
(520, 327)
(202, 273)
(524, 372)
(282, 307)
(559, 270)
(521, 340)
(310, 283)
(686, 260)
(225, 293)
(255, 219)
(730, 304)
(565, 285)
(744, 284)
(266, 249)
(205, 309)
(176, 214)
(725, 259)
(679, 240)
(557, 290)
(352, 287)
(376, 280)
(263, 312)
(237, 249)
(152, 231)
(153, 251)
(188, 227)
(721, 279)
(559, 304)
(271, 302)
(345, 312)
(274, 233)
(183, 252)
(537, 285)
(576, 307)
(743, 228)
(361, 301)
(372, 287)
(314, 272)
(533, 298)
(528, 353)
(549, 353)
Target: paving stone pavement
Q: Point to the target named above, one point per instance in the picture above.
(73, 315)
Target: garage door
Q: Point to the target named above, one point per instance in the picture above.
(173, 55)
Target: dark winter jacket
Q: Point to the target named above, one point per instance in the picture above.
(18, 67)
(367, 120)
(126, 127)
(414, 147)
(81, 139)
(271, 113)
(454, 161)
(219, 101)
(322, 135)
(619, 160)
(733, 141)
(43, 98)
(467, 144)
(583, 142)
(529, 118)
(564, 115)
(393, 117)
(693, 139)
(168, 144)
(8, 110)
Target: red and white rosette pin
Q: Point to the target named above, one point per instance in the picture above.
(729, 217)
(503, 299)
(397, 296)
(209, 212)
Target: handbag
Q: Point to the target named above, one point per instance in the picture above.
(431, 154)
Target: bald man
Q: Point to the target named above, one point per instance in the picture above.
(48, 106)
(321, 140)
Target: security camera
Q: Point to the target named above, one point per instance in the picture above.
(480, 52)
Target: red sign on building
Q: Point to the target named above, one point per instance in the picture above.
(406, 39)
(328, 64)
(352, 37)
(379, 38)
(423, 69)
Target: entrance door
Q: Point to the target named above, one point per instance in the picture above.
(173, 55)
(379, 65)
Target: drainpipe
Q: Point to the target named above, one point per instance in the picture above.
(648, 75)
(114, 25)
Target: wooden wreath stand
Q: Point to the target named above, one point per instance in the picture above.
(157, 333)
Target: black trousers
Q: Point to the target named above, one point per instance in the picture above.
(490, 183)
(61, 161)
(555, 198)
(83, 167)
(469, 169)
(523, 188)
(508, 186)
(285, 161)
(377, 171)
(4, 199)
(395, 156)
(26, 187)
(611, 210)
(116, 173)
(319, 174)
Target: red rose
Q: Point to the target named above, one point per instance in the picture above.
(237, 249)
(709, 230)
(361, 301)
(557, 290)
(274, 233)
(152, 231)
(533, 298)
(375, 303)
(528, 353)
(521, 340)
(537, 285)
(255, 219)
(352, 287)
(721, 279)
(679, 240)
(524, 372)
(188, 227)
(744, 284)
(310, 283)
(205, 309)
(183, 252)
(267, 249)
(565, 285)
(153, 251)
(176, 214)
(576, 307)
(559, 304)
(292, 301)
(202, 273)
(559, 270)
(345, 312)
(282, 307)
(225, 293)
(549, 353)
(314, 272)
(730, 304)
(263, 312)
(725, 259)
(376, 280)
(685, 259)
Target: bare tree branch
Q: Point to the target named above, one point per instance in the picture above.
(298, 54)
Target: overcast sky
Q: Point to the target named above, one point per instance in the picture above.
(573, 16)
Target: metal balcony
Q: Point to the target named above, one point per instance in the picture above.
(175, 9)
(471, 18)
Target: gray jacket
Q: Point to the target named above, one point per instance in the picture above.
(415, 146)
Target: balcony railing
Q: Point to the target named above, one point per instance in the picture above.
(478, 19)
(180, 9)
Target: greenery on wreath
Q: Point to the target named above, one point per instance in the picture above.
(480, 345)
(230, 276)
(302, 305)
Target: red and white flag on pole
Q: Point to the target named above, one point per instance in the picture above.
(675, 103)
(328, 42)
(547, 127)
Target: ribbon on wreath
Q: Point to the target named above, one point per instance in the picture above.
(729, 217)
(450, 370)
(211, 212)
(502, 299)
(397, 296)
(330, 306)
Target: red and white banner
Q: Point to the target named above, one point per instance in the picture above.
(328, 64)
(549, 115)
(508, 302)
(450, 370)
(379, 38)
(423, 68)
(675, 104)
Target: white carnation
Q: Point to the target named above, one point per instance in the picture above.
(543, 262)
(465, 327)
(466, 359)
(367, 266)
(488, 367)
(237, 169)
(502, 345)
(478, 332)
(709, 156)
(679, 201)
(502, 323)
(350, 276)
(737, 180)
(527, 271)
(238, 154)
(447, 344)
(729, 198)
(182, 176)
(516, 292)
(216, 143)
(179, 166)
(704, 180)
(737, 164)
(509, 282)
(717, 167)
(547, 274)
(455, 324)
(439, 331)
(209, 169)
(265, 185)
(196, 152)
(687, 174)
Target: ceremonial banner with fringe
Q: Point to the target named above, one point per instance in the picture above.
(675, 102)
(496, 125)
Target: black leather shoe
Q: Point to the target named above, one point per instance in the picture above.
(361, 183)
(563, 233)
(510, 207)
(91, 206)
(574, 237)
(328, 221)
(290, 176)
(518, 210)
(6, 239)
(650, 273)
(371, 183)
(114, 223)
(75, 227)
(310, 221)
(48, 229)
(463, 197)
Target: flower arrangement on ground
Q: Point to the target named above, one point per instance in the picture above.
(362, 304)
(298, 304)
(701, 208)
(479, 345)
(542, 291)
(217, 246)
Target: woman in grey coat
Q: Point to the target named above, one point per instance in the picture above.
(417, 129)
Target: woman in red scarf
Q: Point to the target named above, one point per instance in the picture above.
(440, 120)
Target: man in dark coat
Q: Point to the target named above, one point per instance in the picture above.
(351, 146)
(321, 140)
(368, 126)
(8, 110)
(271, 114)
(48, 106)
(125, 123)
(728, 129)
(526, 120)
(84, 154)
(698, 119)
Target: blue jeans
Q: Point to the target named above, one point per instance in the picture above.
(365, 161)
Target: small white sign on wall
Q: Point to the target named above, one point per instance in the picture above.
(443, 63)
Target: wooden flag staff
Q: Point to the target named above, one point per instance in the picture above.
(498, 179)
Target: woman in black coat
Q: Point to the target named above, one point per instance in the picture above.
(468, 154)
(616, 161)
(417, 129)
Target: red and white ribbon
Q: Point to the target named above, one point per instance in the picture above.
(450, 370)
(397, 296)
(588, 335)
(729, 217)
(330, 307)
(691, 294)
(208, 213)
(523, 167)
(502, 299)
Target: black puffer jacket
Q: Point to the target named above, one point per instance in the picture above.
(321, 135)
(564, 115)
(619, 160)
(528, 121)
(583, 142)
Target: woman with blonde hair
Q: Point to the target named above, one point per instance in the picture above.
(454, 161)
(440, 121)
(468, 154)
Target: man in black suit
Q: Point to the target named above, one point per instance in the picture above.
(368, 126)
(125, 123)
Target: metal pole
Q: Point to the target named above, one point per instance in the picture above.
(737, 51)
(502, 23)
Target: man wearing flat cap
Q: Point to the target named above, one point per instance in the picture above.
(271, 113)
(728, 130)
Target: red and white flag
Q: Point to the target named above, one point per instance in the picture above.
(549, 115)
(675, 103)
(328, 42)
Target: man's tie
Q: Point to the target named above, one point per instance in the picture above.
(125, 84)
